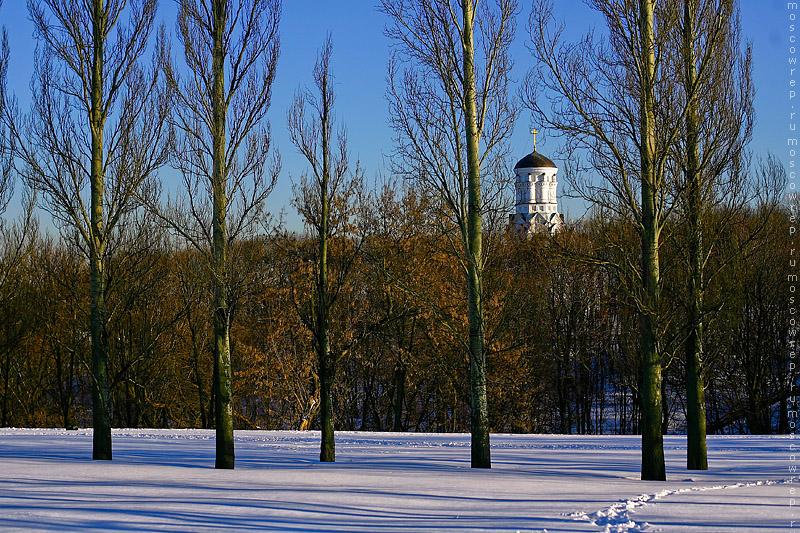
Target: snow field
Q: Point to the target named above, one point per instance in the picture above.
(164, 480)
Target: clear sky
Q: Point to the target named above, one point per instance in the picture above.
(359, 64)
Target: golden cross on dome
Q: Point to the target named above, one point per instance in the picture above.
(534, 138)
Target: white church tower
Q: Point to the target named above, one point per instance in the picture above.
(536, 199)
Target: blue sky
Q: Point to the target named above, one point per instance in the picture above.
(359, 64)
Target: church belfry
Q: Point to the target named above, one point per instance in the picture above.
(536, 198)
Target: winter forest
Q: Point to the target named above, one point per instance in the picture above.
(144, 284)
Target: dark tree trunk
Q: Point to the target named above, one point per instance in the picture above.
(223, 404)
(653, 467)
(101, 399)
(481, 455)
(327, 452)
(696, 456)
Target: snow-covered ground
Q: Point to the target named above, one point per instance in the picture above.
(166, 481)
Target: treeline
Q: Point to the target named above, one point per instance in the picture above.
(562, 338)
(178, 304)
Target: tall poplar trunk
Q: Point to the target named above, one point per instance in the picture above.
(327, 451)
(223, 401)
(697, 457)
(653, 467)
(481, 456)
(101, 399)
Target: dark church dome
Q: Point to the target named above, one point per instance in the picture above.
(535, 160)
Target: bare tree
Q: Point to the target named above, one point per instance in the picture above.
(710, 155)
(87, 166)
(452, 114)
(15, 238)
(5, 140)
(616, 100)
(223, 152)
(327, 198)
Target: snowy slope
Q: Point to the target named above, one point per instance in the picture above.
(165, 481)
